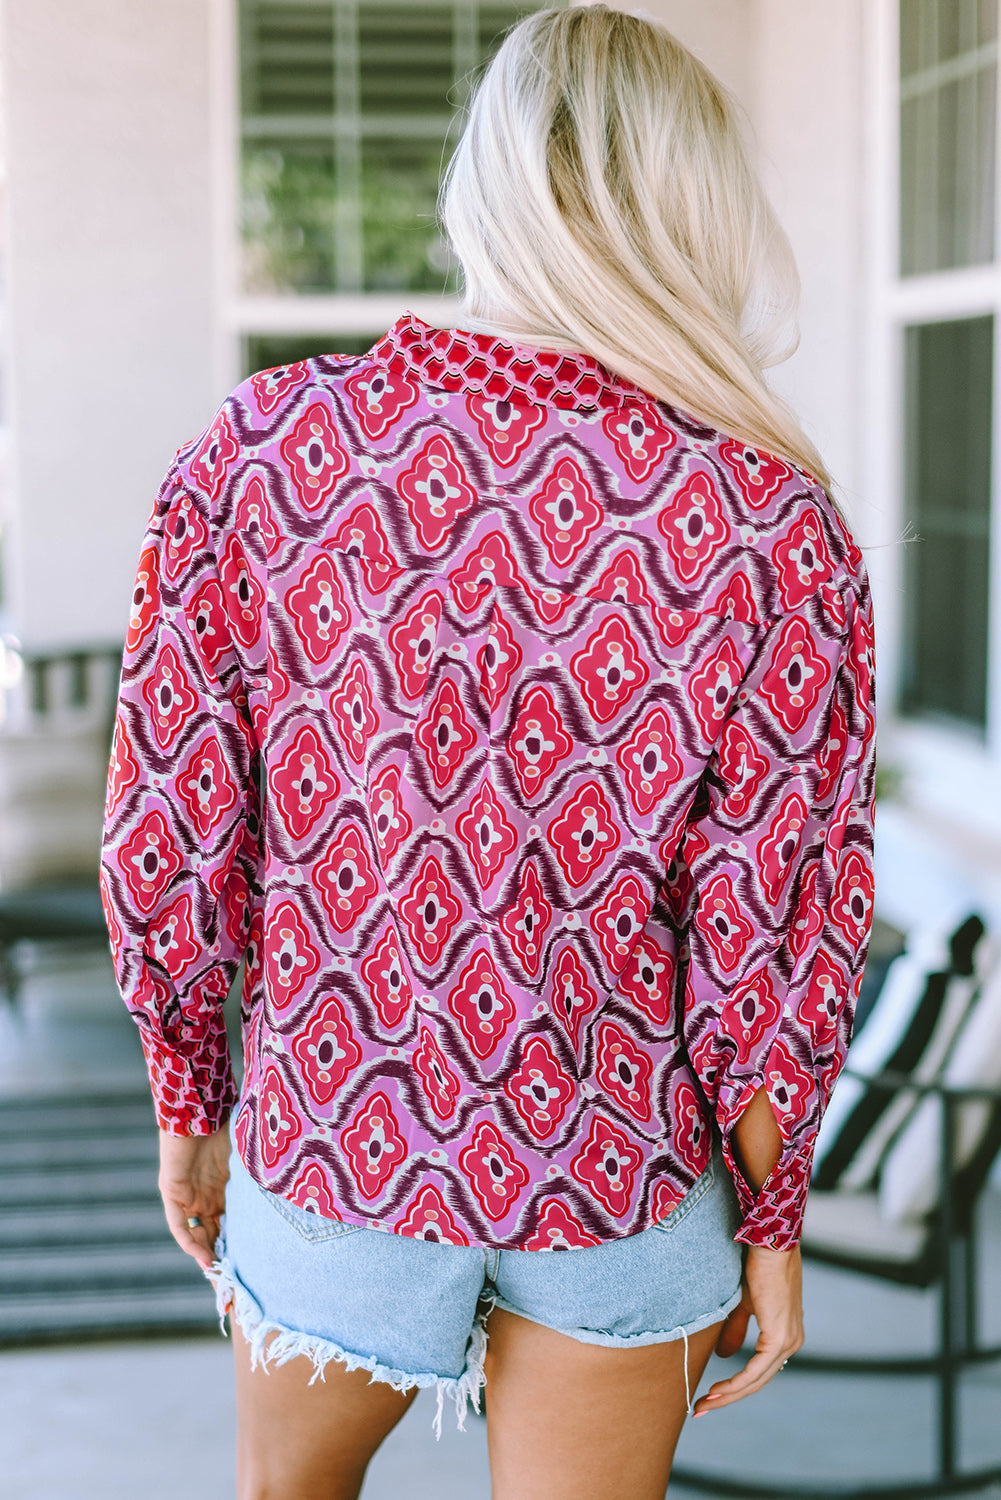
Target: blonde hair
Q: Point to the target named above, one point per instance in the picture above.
(601, 200)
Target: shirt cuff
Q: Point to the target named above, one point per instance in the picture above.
(191, 1095)
(773, 1219)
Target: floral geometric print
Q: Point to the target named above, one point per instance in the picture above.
(314, 457)
(428, 1218)
(327, 1051)
(540, 1089)
(518, 729)
(565, 512)
(482, 1005)
(373, 1145)
(436, 491)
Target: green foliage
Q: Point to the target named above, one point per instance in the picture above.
(292, 228)
(889, 781)
(288, 218)
(402, 247)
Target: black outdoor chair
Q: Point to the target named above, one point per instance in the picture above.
(946, 1256)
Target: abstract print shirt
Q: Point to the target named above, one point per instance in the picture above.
(516, 731)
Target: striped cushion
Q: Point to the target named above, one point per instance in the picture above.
(923, 1001)
(909, 1177)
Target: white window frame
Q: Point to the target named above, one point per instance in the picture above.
(239, 315)
(950, 772)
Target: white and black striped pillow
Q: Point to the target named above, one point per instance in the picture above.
(921, 1006)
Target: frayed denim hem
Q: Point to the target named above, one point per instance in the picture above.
(233, 1298)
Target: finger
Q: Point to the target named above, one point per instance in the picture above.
(193, 1240)
(733, 1332)
(734, 1329)
(758, 1371)
(193, 1243)
(206, 1234)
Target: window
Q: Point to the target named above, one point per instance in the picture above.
(347, 114)
(945, 297)
(263, 351)
(948, 82)
(948, 427)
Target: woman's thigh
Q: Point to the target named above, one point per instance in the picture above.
(593, 1354)
(297, 1441)
(309, 1300)
(573, 1421)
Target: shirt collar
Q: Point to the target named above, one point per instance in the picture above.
(460, 359)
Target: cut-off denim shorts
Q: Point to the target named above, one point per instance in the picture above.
(413, 1313)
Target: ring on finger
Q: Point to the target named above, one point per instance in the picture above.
(194, 1222)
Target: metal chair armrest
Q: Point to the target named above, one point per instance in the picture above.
(892, 1083)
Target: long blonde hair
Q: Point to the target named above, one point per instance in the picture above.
(602, 200)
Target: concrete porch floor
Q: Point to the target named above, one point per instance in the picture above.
(117, 1420)
(157, 1419)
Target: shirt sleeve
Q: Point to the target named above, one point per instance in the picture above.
(180, 850)
(774, 884)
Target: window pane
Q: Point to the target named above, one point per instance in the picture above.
(347, 111)
(405, 60)
(407, 69)
(287, 58)
(402, 246)
(288, 215)
(948, 66)
(263, 351)
(948, 436)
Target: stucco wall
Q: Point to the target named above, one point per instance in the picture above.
(107, 123)
(720, 32)
(809, 121)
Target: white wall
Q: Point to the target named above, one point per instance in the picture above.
(112, 297)
(808, 112)
(719, 32)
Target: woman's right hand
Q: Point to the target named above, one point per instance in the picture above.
(773, 1295)
(194, 1170)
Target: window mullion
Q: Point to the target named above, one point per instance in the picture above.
(465, 47)
(348, 255)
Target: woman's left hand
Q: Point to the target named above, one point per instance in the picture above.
(773, 1295)
(194, 1170)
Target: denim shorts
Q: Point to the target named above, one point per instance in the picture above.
(413, 1313)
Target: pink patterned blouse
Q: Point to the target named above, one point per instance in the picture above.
(518, 730)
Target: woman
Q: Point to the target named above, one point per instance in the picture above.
(505, 696)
